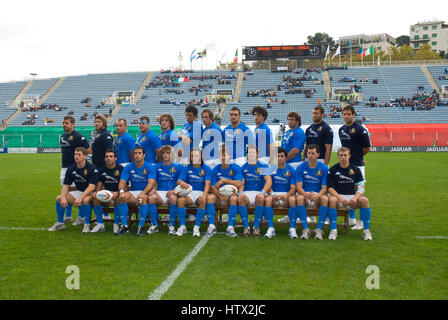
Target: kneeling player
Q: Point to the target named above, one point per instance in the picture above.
(346, 188)
(311, 185)
(222, 174)
(167, 175)
(198, 175)
(85, 177)
(141, 176)
(253, 191)
(284, 190)
(109, 178)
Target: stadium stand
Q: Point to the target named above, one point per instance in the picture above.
(9, 91)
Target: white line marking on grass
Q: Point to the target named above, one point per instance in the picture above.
(20, 228)
(166, 285)
(432, 237)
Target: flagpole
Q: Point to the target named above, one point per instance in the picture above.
(373, 60)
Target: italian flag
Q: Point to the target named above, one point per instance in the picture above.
(368, 52)
(235, 60)
(181, 79)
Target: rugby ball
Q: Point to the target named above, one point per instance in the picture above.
(104, 195)
(181, 192)
(228, 190)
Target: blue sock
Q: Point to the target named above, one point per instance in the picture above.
(258, 215)
(301, 213)
(323, 211)
(244, 215)
(116, 215)
(98, 210)
(292, 217)
(211, 213)
(233, 211)
(199, 216)
(352, 213)
(364, 216)
(68, 211)
(182, 212)
(333, 216)
(87, 212)
(60, 212)
(269, 214)
(173, 214)
(123, 210)
(142, 213)
(153, 213)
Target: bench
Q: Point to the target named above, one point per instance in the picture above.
(220, 211)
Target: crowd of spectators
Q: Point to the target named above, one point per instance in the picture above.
(30, 119)
(44, 106)
(308, 92)
(421, 100)
(262, 93)
(168, 81)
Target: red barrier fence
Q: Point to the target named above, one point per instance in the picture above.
(409, 134)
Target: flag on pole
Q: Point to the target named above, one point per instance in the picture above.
(193, 55)
(327, 53)
(360, 53)
(202, 54)
(338, 51)
(235, 60)
(368, 52)
(182, 79)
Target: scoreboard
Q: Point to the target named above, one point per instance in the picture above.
(277, 52)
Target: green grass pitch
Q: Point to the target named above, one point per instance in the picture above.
(408, 195)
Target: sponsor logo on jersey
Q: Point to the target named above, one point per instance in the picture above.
(97, 136)
(237, 131)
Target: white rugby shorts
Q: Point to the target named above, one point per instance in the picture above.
(135, 193)
(347, 197)
(162, 194)
(251, 195)
(194, 195)
(76, 194)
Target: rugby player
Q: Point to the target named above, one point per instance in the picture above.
(191, 133)
(124, 144)
(320, 133)
(355, 137)
(212, 137)
(237, 136)
(108, 179)
(198, 175)
(85, 177)
(311, 186)
(263, 136)
(167, 135)
(69, 141)
(283, 190)
(222, 174)
(141, 176)
(253, 191)
(346, 189)
(293, 140)
(101, 142)
(167, 174)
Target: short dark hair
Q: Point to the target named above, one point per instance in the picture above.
(145, 118)
(122, 119)
(260, 110)
(282, 150)
(320, 108)
(295, 115)
(192, 109)
(141, 148)
(314, 146)
(200, 152)
(110, 151)
(82, 149)
(235, 108)
(70, 118)
(210, 113)
(350, 108)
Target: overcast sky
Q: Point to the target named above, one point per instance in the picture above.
(65, 37)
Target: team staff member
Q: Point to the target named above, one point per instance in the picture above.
(293, 140)
(68, 142)
(148, 140)
(109, 178)
(101, 142)
(355, 137)
(212, 137)
(346, 189)
(321, 134)
(124, 144)
(85, 177)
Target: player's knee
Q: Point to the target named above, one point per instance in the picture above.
(211, 198)
(240, 200)
(364, 202)
(86, 201)
(180, 201)
(324, 200)
(332, 202)
(259, 198)
(300, 200)
(233, 200)
(292, 201)
(202, 200)
(267, 202)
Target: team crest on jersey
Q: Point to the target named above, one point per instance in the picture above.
(202, 173)
(287, 173)
(351, 172)
(258, 171)
(145, 172)
(70, 138)
(172, 170)
(97, 136)
(237, 131)
(117, 173)
(319, 129)
(318, 173)
(231, 172)
(352, 130)
(163, 137)
(85, 172)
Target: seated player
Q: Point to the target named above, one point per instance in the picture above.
(108, 179)
(253, 192)
(167, 174)
(222, 174)
(284, 190)
(346, 189)
(311, 186)
(85, 177)
(141, 176)
(198, 175)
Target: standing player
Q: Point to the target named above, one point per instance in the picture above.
(293, 140)
(311, 186)
(346, 188)
(101, 142)
(319, 133)
(85, 177)
(148, 140)
(69, 141)
(124, 143)
(284, 190)
(141, 176)
(191, 133)
(167, 175)
(198, 175)
(263, 137)
(226, 173)
(355, 137)
(108, 179)
(253, 191)
(237, 136)
(167, 135)
(212, 137)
